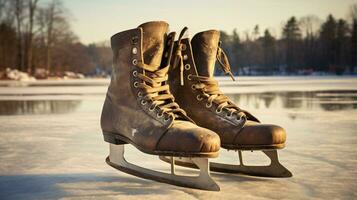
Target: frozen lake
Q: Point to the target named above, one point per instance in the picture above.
(51, 145)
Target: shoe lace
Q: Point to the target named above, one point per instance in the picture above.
(155, 89)
(209, 89)
(178, 54)
(208, 85)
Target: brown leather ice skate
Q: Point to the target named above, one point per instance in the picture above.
(197, 92)
(140, 110)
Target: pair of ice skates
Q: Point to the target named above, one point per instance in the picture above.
(163, 99)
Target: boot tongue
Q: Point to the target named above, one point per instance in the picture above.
(153, 42)
(204, 47)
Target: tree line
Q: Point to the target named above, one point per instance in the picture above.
(36, 37)
(307, 45)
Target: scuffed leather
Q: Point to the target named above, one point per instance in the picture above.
(154, 34)
(188, 137)
(123, 113)
(204, 47)
(255, 133)
(201, 56)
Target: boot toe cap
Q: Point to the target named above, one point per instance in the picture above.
(188, 138)
(261, 134)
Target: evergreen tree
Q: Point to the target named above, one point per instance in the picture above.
(291, 39)
(269, 51)
(256, 32)
(342, 46)
(236, 52)
(353, 42)
(328, 35)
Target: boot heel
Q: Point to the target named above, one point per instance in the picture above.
(111, 138)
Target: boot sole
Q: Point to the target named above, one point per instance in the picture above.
(253, 147)
(117, 139)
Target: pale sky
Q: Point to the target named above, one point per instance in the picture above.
(97, 20)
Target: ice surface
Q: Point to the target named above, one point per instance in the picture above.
(51, 146)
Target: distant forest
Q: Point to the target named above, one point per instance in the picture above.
(36, 37)
(306, 46)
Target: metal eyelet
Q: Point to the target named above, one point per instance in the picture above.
(152, 108)
(134, 40)
(208, 105)
(218, 110)
(166, 119)
(185, 57)
(187, 66)
(140, 94)
(143, 102)
(240, 119)
(183, 47)
(134, 50)
(135, 73)
(135, 62)
(159, 115)
(228, 115)
(193, 87)
(198, 97)
(136, 84)
(189, 77)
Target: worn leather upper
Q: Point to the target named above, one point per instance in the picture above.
(199, 58)
(205, 50)
(128, 110)
(154, 36)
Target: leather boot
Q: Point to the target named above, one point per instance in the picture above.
(197, 92)
(139, 108)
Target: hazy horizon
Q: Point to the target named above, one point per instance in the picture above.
(96, 22)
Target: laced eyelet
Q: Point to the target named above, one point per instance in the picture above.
(166, 119)
(240, 119)
(199, 98)
(134, 40)
(136, 84)
(140, 94)
(208, 105)
(135, 73)
(134, 50)
(143, 102)
(159, 115)
(185, 57)
(193, 87)
(152, 108)
(218, 110)
(187, 66)
(189, 77)
(183, 47)
(135, 62)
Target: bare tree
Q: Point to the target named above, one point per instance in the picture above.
(2, 8)
(353, 12)
(309, 25)
(32, 5)
(6, 12)
(18, 6)
(56, 33)
(46, 19)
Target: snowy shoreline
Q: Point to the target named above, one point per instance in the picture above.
(75, 87)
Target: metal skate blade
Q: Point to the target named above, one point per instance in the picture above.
(202, 181)
(275, 169)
